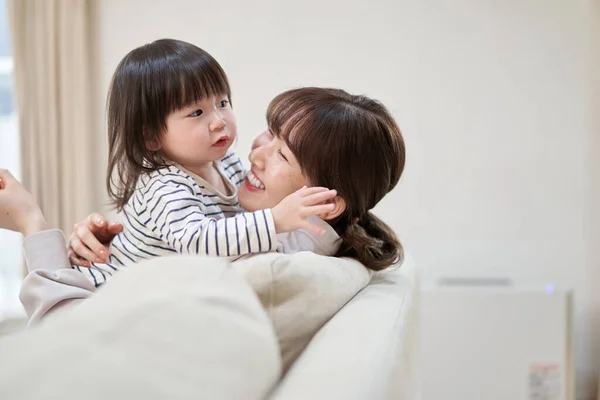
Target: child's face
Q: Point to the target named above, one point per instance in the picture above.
(274, 170)
(200, 133)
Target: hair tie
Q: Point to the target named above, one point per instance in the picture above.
(354, 221)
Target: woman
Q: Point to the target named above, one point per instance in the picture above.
(316, 137)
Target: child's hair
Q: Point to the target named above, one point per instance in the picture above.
(351, 144)
(151, 82)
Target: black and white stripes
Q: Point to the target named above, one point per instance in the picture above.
(174, 212)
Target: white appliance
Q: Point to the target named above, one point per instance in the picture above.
(491, 339)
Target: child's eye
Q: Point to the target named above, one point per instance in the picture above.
(224, 103)
(196, 113)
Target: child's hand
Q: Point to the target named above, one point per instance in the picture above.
(291, 213)
(18, 210)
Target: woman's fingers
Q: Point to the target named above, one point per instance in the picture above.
(74, 260)
(6, 177)
(90, 242)
(82, 251)
(95, 219)
(114, 228)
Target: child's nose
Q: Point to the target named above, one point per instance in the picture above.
(217, 123)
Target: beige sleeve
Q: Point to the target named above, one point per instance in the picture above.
(51, 283)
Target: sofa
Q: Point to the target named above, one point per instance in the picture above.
(271, 327)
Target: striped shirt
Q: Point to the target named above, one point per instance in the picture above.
(173, 211)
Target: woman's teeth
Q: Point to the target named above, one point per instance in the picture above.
(254, 181)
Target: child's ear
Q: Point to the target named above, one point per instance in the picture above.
(152, 144)
(340, 207)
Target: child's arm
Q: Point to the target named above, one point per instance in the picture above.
(51, 283)
(178, 217)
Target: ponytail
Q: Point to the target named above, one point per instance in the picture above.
(372, 242)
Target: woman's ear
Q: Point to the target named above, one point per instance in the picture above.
(340, 207)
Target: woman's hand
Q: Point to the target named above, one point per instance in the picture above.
(91, 239)
(18, 210)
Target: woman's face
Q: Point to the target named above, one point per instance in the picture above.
(274, 174)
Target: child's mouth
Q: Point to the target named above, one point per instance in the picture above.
(221, 142)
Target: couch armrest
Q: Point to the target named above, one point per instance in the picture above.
(368, 350)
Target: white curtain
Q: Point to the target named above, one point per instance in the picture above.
(52, 45)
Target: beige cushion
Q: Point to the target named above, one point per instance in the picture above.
(162, 329)
(301, 292)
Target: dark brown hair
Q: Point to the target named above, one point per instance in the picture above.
(151, 82)
(351, 144)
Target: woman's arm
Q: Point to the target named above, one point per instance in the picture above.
(51, 283)
(19, 211)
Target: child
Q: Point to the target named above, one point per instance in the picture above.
(170, 125)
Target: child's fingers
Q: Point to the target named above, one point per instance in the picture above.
(319, 197)
(307, 191)
(319, 209)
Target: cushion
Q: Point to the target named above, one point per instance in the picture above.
(301, 292)
(162, 329)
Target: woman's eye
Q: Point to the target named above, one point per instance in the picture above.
(224, 103)
(281, 154)
(196, 113)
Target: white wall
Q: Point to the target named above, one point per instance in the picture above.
(494, 99)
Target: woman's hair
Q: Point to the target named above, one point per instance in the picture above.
(351, 144)
(150, 83)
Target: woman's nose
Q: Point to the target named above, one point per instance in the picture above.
(257, 157)
(262, 139)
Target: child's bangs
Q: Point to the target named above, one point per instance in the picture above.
(191, 81)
